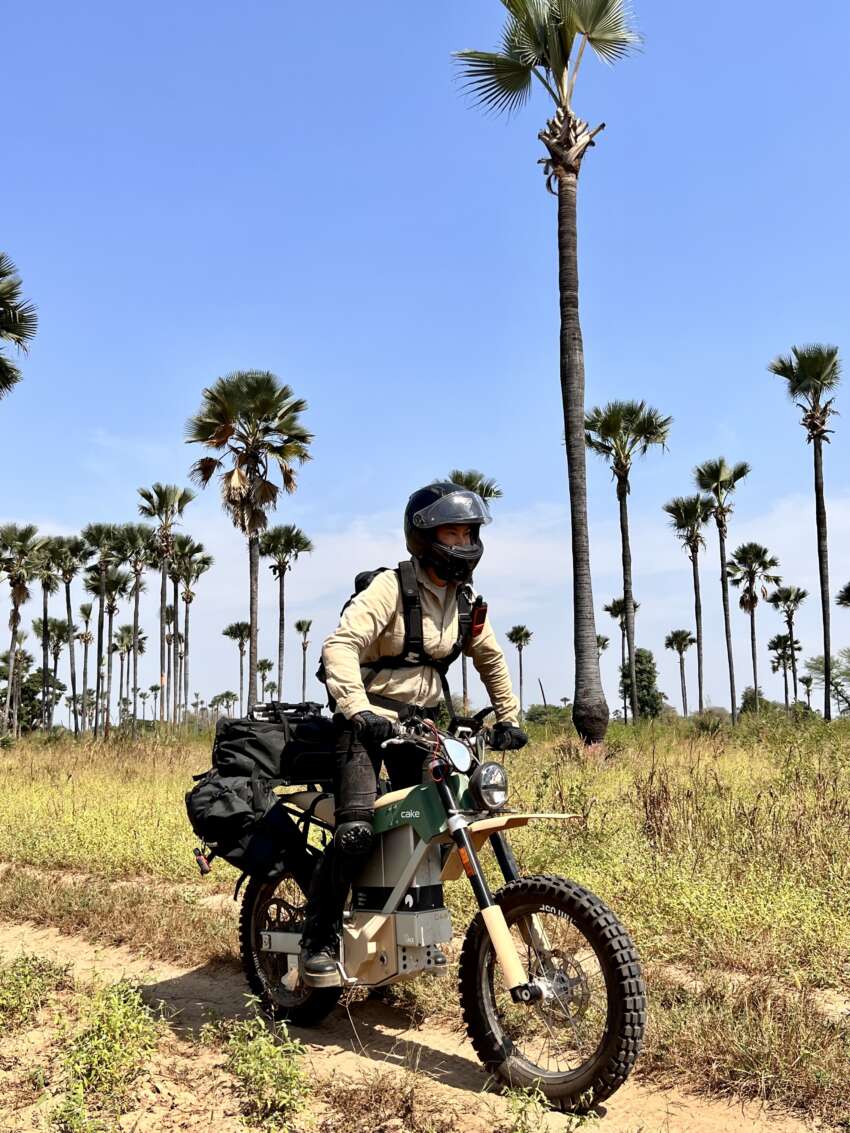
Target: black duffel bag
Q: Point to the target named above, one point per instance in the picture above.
(297, 747)
(244, 822)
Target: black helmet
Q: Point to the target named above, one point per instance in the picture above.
(432, 507)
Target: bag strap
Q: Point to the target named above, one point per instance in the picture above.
(411, 604)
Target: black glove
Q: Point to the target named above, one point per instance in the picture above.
(372, 728)
(507, 737)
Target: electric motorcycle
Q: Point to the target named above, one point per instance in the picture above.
(549, 980)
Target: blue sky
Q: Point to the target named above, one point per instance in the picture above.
(196, 188)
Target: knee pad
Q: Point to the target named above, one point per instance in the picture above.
(354, 839)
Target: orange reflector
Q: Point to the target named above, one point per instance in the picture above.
(465, 862)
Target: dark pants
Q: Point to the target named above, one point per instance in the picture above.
(355, 788)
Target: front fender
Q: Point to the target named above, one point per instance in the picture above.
(481, 829)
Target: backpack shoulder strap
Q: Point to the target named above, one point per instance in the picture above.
(411, 605)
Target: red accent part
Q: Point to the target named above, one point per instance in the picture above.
(479, 617)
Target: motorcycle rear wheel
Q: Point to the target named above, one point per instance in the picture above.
(278, 906)
(580, 1042)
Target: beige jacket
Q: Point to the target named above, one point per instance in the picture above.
(373, 627)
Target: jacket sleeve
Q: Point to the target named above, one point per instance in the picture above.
(359, 627)
(490, 664)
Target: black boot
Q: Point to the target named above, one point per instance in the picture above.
(322, 926)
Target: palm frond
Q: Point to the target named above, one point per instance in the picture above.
(608, 26)
(498, 82)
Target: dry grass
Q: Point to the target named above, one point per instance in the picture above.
(385, 1100)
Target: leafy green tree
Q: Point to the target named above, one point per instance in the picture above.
(544, 42)
(549, 714)
(154, 690)
(719, 480)
(752, 700)
(688, 516)
(71, 555)
(618, 432)
(18, 323)
(650, 700)
(303, 626)
(680, 641)
(788, 600)
(839, 671)
(240, 632)
(143, 696)
(812, 374)
(487, 488)
(253, 422)
(751, 570)
(19, 550)
(519, 636)
(283, 545)
(164, 503)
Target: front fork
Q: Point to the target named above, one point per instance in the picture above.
(513, 972)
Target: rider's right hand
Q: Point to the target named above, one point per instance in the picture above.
(373, 728)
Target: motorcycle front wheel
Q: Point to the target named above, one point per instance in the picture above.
(579, 1042)
(279, 906)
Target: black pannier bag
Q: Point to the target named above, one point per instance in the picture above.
(233, 807)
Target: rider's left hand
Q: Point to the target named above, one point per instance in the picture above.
(508, 737)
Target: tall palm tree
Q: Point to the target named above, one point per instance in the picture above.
(271, 689)
(85, 639)
(72, 554)
(170, 617)
(617, 609)
(100, 538)
(680, 640)
(154, 690)
(520, 636)
(544, 41)
(143, 696)
(303, 626)
(165, 503)
(19, 548)
(193, 562)
(617, 432)
(812, 374)
(751, 569)
(784, 649)
(58, 633)
(787, 600)
(688, 516)
(264, 667)
(282, 544)
(138, 551)
(18, 322)
(843, 596)
(602, 643)
(807, 681)
(252, 422)
(240, 632)
(487, 488)
(44, 570)
(719, 480)
(116, 586)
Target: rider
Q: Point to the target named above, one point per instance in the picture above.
(441, 526)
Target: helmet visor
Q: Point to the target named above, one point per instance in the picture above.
(460, 507)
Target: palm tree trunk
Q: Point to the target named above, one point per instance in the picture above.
(755, 657)
(136, 593)
(44, 658)
(628, 597)
(108, 710)
(175, 644)
(99, 677)
(254, 583)
(698, 619)
(684, 686)
(793, 657)
(624, 687)
(72, 659)
(809, 698)
(186, 660)
(465, 680)
(168, 681)
(724, 587)
(521, 702)
(241, 681)
(53, 690)
(281, 583)
(163, 602)
(303, 672)
(823, 569)
(590, 712)
(14, 618)
(785, 678)
(85, 681)
(121, 684)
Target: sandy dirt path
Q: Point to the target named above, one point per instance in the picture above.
(375, 1036)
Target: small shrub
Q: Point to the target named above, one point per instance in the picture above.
(110, 1050)
(25, 986)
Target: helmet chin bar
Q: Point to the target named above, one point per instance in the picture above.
(453, 564)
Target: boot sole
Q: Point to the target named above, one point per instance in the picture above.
(325, 979)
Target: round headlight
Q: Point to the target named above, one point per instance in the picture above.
(489, 785)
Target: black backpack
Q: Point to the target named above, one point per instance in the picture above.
(471, 616)
(233, 807)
